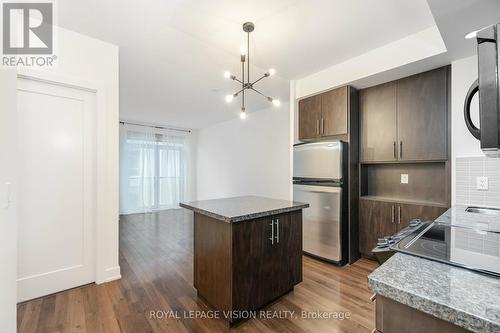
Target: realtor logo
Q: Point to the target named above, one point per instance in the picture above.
(27, 28)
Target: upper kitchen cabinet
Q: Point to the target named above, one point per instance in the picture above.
(309, 117)
(377, 108)
(422, 116)
(324, 115)
(406, 120)
(334, 112)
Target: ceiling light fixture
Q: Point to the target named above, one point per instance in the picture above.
(248, 27)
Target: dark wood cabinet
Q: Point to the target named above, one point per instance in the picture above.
(422, 116)
(407, 119)
(309, 117)
(378, 218)
(334, 112)
(246, 265)
(409, 212)
(377, 108)
(324, 115)
(266, 263)
(395, 317)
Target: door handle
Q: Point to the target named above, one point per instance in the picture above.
(317, 126)
(401, 149)
(392, 214)
(399, 214)
(277, 230)
(272, 232)
(395, 150)
(8, 195)
(322, 125)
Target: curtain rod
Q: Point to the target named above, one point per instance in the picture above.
(160, 127)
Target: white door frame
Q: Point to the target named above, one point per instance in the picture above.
(102, 273)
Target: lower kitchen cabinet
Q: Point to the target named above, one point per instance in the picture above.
(266, 259)
(379, 218)
(395, 317)
(376, 219)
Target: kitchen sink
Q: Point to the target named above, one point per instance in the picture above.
(482, 210)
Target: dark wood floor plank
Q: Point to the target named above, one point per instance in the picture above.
(156, 260)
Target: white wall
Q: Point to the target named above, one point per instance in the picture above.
(246, 157)
(8, 225)
(88, 60)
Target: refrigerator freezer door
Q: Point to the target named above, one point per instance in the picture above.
(318, 160)
(322, 220)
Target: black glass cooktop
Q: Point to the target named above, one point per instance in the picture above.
(465, 247)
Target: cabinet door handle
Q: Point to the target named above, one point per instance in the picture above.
(277, 230)
(399, 214)
(373, 297)
(395, 150)
(392, 214)
(322, 125)
(317, 126)
(272, 232)
(401, 149)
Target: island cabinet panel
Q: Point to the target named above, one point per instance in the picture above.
(245, 265)
(212, 260)
(266, 263)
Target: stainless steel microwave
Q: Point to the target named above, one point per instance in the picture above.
(487, 84)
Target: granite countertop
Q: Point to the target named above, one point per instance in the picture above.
(458, 216)
(243, 208)
(465, 298)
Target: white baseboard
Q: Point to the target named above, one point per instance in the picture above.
(110, 274)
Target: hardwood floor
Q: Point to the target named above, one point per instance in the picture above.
(157, 273)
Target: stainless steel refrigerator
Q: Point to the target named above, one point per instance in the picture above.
(319, 170)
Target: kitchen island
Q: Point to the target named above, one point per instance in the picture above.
(247, 252)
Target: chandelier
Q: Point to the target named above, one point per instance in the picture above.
(248, 27)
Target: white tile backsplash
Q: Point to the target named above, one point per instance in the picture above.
(466, 171)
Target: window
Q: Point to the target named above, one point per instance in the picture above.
(153, 166)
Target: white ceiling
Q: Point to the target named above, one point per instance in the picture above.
(173, 52)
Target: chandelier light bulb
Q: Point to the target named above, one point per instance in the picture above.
(276, 102)
(243, 50)
(229, 98)
(243, 115)
(272, 71)
(227, 74)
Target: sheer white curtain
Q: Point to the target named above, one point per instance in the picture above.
(153, 168)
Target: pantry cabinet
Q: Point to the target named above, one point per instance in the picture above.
(406, 120)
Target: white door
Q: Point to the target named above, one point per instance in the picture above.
(7, 201)
(56, 194)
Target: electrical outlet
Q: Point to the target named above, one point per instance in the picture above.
(404, 178)
(482, 183)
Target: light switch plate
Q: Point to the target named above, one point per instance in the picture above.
(404, 178)
(482, 183)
